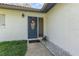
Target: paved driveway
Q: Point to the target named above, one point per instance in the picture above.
(37, 49)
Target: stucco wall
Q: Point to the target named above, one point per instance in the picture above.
(63, 27)
(15, 25)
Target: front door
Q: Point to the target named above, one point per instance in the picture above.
(32, 27)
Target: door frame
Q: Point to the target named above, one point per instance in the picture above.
(37, 28)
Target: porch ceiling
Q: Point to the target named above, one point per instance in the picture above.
(46, 7)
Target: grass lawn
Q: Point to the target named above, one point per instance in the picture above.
(13, 48)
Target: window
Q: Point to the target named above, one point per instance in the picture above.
(2, 20)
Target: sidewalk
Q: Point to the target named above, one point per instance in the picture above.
(37, 49)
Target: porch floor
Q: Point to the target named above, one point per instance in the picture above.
(37, 49)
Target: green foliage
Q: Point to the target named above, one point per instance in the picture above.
(13, 48)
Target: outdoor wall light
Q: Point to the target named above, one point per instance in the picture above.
(23, 15)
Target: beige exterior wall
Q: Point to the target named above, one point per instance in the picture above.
(15, 25)
(63, 27)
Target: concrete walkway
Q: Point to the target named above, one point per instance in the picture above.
(37, 49)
